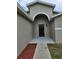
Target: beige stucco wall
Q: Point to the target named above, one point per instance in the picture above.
(40, 9)
(41, 20)
(52, 30)
(24, 33)
(58, 29)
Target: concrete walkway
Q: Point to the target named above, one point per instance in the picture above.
(42, 52)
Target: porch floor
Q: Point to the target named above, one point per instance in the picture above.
(43, 40)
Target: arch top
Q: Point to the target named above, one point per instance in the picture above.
(41, 13)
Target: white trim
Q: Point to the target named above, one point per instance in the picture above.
(41, 13)
(58, 28)
(57, 15)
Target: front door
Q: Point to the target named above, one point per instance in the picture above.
(41, 30)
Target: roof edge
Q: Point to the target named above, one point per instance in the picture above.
(57, 15)
(52, 19)
(41, 2)
(21, 11)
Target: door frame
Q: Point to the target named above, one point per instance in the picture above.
(41, 30)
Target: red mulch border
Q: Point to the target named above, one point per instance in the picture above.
(28, 52)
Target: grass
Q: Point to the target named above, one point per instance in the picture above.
(55, 51)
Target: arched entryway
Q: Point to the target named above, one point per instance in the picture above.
(41, 26)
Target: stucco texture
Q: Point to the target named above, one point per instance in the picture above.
(24, 33)
(40, 9)
(58, 29)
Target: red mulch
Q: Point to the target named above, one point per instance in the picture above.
(28, 52)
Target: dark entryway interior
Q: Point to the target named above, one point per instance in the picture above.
(41, 30)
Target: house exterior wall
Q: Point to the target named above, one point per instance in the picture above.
(24, 33)
(58, 29)
(40, 9)
(52, 30)
(41, 20)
